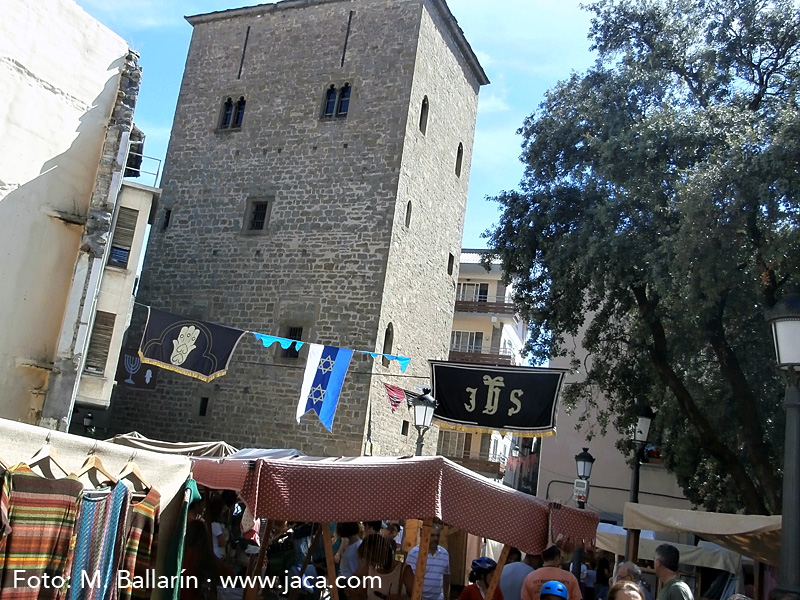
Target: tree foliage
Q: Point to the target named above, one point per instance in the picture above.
(659, 216)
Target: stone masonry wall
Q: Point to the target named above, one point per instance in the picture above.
(417, 279)
(323, 261)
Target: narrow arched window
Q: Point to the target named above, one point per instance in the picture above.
(330, 102)
(408, 213)
(344, 100)
(459, 158)
(423, 116)
(388, 342)
(238, 115)
(227, 114)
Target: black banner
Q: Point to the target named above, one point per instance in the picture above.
(133, 374)
(188, 346)
(521, 400)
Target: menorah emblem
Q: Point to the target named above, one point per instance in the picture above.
(132, 365)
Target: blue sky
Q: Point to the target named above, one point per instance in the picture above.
(525, 47)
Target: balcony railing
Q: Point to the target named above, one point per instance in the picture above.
(143, 169)
(499, 356)
(484, 304)
(490, 464)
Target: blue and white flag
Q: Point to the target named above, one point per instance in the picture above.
(322, 382)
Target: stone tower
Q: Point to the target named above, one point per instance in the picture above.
(315, 188)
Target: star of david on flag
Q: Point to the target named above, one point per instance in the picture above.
(322, 381)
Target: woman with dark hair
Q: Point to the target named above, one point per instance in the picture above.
(376, 559)
(219, 529)
(200, 563)
(480, 577)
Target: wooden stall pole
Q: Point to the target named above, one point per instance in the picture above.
(410, 534)
(632, 549)
(307, 559)
(422, 560)
(254, 568)
(496, 577)
(327, 541)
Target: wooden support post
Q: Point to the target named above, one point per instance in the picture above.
(632, 551)
(410, 534)
(422, 560)
(496, 577)
(254, 567)
(327, 541)
(307, 559)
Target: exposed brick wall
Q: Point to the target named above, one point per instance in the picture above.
(336, 257)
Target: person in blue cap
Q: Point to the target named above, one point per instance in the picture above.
(480, 577)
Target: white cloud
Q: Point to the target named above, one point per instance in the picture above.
(492, 102)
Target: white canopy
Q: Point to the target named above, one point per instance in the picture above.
(134, 439)
(612, 539)
(756, 536)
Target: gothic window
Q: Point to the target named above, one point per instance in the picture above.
(344, 100)
(330, 102)
(238, 115)
(459, 158)
(388, 342)
(423, 116)
(227, 114)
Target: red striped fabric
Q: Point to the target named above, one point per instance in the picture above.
(141, 545)
(42, 516)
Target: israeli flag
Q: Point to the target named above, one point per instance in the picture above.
(322, 381)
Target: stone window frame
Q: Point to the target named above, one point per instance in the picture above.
(290, 356)
(231, 113)
(423, 115)
(336, 102)
(249, 213)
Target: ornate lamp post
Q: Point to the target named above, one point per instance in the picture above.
(639, 433)
(584, 462)
(423, 406)
(784, 318)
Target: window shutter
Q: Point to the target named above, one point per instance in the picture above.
(122, 241)
(97, 353)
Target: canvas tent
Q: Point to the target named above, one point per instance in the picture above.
(756, 536)
(612, 539)
(134, 439)
(331, 490)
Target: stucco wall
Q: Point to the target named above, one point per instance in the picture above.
(59, 72)
(327, 259)
(557, 471)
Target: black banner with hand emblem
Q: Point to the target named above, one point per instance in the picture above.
(188, 346)
(473, 397)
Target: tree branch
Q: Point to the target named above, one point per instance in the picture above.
(748, 491)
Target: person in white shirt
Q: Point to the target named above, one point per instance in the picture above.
(436, 584)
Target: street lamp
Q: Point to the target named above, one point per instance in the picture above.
(784, 318)
(584, 462)
(423, 406)
(639, 433)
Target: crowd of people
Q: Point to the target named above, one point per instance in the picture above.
(372, 550)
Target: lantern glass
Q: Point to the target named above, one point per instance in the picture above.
(584, 462)
(786, 333)
(642, 430)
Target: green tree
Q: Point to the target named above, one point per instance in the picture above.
(659, 210)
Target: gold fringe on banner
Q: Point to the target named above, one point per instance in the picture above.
(478, 429)
(182, 371)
